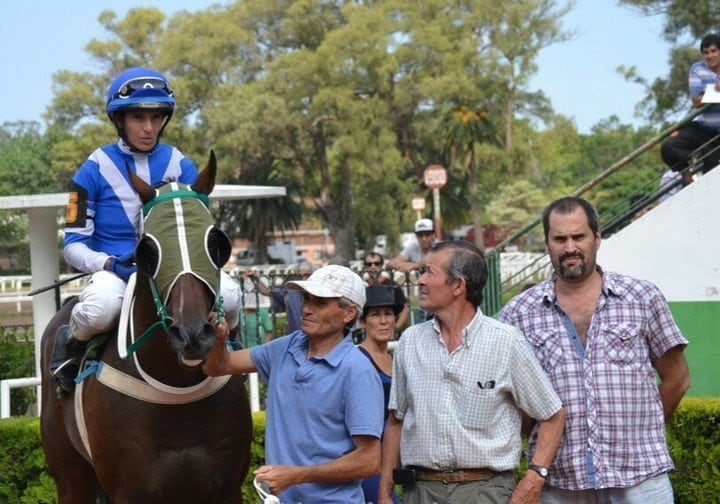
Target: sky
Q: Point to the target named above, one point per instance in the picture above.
(41, 37)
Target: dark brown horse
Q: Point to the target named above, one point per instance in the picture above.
(152, 427)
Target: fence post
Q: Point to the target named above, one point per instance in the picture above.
(491, 294)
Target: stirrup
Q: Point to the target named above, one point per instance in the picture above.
(64, 375)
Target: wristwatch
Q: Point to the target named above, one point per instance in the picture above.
(541, 470)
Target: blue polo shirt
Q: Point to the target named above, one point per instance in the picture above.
(314, 407)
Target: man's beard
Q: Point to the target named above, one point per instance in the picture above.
(576, 270)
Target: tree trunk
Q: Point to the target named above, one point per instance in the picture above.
(509, 114)
(475, 206)
(336, 215)
(261, 242)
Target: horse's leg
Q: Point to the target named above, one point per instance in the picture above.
(77, 486)
(74, 476)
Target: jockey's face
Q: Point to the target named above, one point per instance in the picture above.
(143, 127)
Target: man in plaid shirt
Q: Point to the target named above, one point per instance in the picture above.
(601, 337)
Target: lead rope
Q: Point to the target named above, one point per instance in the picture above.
(219, 307)
(264, 493)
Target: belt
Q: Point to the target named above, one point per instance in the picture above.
(455, 476)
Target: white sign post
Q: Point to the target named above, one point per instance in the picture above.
(418, 204)
(435, 178)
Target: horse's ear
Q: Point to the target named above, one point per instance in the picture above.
(206, 180)
(144, 190)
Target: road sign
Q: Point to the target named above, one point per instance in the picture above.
(435, 176)
(418, 203)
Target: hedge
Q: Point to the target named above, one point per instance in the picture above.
(24, 477)
(693, 437)
(694, 440)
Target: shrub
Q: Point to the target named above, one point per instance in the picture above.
(17, 350)
(693, 438)
(23, 471)
(694, 441)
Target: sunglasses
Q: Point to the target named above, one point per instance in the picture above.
(375, 263)
(127, 89)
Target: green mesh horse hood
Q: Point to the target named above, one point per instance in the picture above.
(179, 222)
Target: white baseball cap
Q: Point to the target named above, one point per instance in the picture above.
(333, 281)
(424, 226)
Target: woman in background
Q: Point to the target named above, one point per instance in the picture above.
(378, 321)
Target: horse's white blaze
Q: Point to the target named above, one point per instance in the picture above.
(182, 235)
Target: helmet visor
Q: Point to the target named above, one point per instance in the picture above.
(143, 84)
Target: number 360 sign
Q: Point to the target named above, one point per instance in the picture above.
(435, 176)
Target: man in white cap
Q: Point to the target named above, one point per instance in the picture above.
(411, 256)
(324, 398)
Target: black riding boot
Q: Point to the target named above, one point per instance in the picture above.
(66, 358)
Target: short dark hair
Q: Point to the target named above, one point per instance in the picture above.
(567, 205)
(708, 40)
(467, 262)
(373, 254)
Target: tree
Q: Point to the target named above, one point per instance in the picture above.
(24, 169)
(519, 31)
(469, 130)
(346, 99)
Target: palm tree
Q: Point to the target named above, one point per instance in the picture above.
(254, 219)
(465, 129)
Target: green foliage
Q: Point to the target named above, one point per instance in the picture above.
(693, 438)
(694, 441)
(24, 478)
(22, 463)
(345, 103)
(516, 203)
(24, 169)
(257, 456)
(25, 160)
(18, 361)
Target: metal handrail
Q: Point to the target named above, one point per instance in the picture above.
(609, 171)
(492, 301)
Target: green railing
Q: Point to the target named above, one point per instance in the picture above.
(496, 289)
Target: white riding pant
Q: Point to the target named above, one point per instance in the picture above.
(100, 302)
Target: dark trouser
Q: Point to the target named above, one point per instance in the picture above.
(677, 147)
(496, 490)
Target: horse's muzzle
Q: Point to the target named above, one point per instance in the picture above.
(192, 342)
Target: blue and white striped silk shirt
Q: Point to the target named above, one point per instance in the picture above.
(614, 422)
(461, 410)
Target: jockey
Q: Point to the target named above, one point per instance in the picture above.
(104, 214)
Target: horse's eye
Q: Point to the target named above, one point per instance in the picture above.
(218, 246)
(147, 256)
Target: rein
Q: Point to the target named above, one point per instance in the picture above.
(160, 307)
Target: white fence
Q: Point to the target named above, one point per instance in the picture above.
(514, 267)
(15, 289)
(517, 267)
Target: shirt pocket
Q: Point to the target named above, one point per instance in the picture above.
(548, 349)
(479, 408)
(621, 343)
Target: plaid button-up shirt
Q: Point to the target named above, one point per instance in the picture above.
(614, 424)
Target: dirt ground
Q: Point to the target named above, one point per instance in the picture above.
(9, 316)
